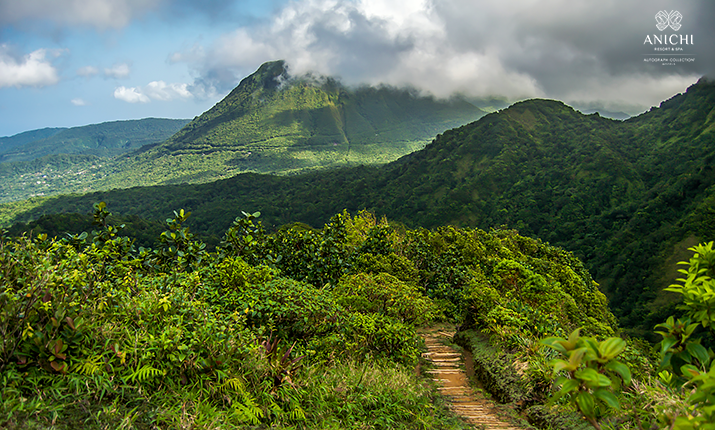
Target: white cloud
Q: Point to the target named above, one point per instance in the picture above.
(130, 95)
(517, 49)
(117, 71)
(101, 14)
(156, 90)
(79, 102)
(629, 93)
(31, 70)
(160, 90)
(87, 71)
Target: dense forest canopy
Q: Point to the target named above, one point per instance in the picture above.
(627, 197)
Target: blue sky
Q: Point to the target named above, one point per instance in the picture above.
(73, 62)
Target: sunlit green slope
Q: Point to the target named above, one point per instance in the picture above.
(274, 123)
(628, 197)
(270, 123)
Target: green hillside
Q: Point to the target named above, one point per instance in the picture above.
(270, 123)
(55, 160)
(102, 140)
(274, 123)
(627, 197)
(7, 143)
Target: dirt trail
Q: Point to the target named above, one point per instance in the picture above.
(449, 373)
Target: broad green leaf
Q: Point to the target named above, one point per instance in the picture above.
(608, 398)
(689, 370)
(611, 347)
(592, 378)
(573, 339)
(586, 404)
(575, 358)
(569, 385)
(555, 343)
(665, 361)
(587, 374)
(691, 328)
(667, 343)
(621, 369)
(698, 351)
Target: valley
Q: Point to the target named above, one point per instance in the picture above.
(541, 231)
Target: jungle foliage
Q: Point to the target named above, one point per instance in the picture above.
(300, 328)
(592, 379)
(627, 197)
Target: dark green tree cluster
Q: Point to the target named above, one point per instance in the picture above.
(301, 328)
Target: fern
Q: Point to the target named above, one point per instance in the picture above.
(89, 367)
(145, 373)
(297, 413)
(235, 384)
(248, 411)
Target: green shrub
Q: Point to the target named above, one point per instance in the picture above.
(370, 336)
(291, 309)
(396, 265)
(385, 294)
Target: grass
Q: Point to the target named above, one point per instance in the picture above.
(347, 395)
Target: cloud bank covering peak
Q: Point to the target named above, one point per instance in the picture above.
(176, 58)
(580, 52)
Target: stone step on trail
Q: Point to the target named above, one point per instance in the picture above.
(454, 383)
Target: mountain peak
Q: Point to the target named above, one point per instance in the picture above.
(270, 74)
(541, 105)
(275, 122)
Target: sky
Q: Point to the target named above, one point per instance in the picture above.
(67, 63)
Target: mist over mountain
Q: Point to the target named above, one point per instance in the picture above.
(271, 122)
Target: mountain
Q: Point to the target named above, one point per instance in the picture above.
(628, 197)
(54, 160)
(270, 123)
(273, 122)
(271, 111)
(8, 143)
(603, 112)
(103, 140)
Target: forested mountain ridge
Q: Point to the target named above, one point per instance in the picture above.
(270, 123)
(626, 196)
(61, 160)
(103, 140)
(7, 143)
(275, 123)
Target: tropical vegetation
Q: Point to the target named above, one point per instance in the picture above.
(301, 328)
(306, 314)
(305, 328)
(627, 197)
